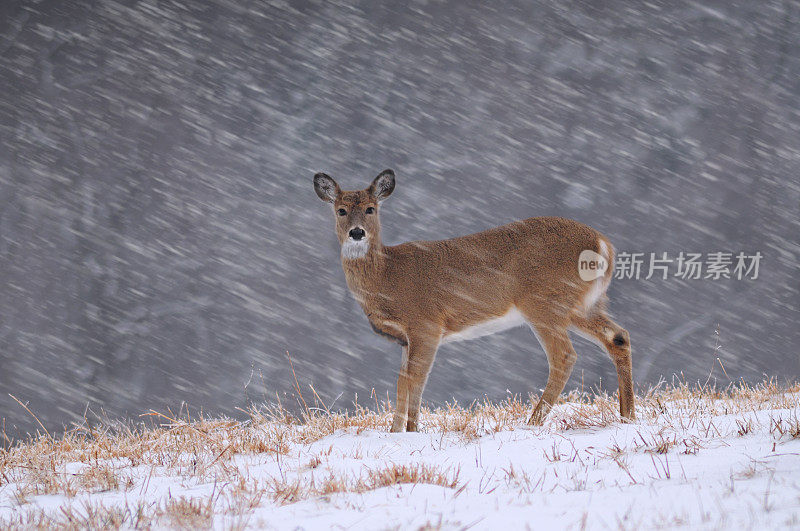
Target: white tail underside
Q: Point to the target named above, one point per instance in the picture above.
(600, 284)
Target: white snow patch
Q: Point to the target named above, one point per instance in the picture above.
(546, 477)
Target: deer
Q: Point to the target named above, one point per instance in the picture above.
(550, 273)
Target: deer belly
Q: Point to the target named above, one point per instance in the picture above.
(484, 328)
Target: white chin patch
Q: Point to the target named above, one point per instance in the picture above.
(352, 249)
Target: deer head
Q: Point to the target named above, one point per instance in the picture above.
(357, 224)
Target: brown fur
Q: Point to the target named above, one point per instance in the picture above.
(418, 293)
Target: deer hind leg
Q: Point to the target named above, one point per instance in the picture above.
(561, 357)
(418, 359)
(616, 341)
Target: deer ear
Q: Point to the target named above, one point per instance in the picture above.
(326, 187)
(383, 185)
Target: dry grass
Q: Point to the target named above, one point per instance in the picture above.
(188, 513)
(87, 516)
(284, 491)
(121, 457)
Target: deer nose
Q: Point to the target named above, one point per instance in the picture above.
(357, 233)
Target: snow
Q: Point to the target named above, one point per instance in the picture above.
(160, 237)
(684, 468)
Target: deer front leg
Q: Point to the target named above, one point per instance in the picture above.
(401, 406)
(417, 362)
(419, 369)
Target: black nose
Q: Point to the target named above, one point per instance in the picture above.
(357, 233)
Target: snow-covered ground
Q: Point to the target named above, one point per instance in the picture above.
(693, 459)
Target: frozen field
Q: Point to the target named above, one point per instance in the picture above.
(694, 459)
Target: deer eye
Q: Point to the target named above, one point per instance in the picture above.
(370, 210)
(342, 212)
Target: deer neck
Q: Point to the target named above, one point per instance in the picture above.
(364, 273)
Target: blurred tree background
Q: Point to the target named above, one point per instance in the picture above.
(160, 241)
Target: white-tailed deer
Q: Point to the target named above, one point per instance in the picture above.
(551, 273)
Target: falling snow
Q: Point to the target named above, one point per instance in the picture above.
(161, 242)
